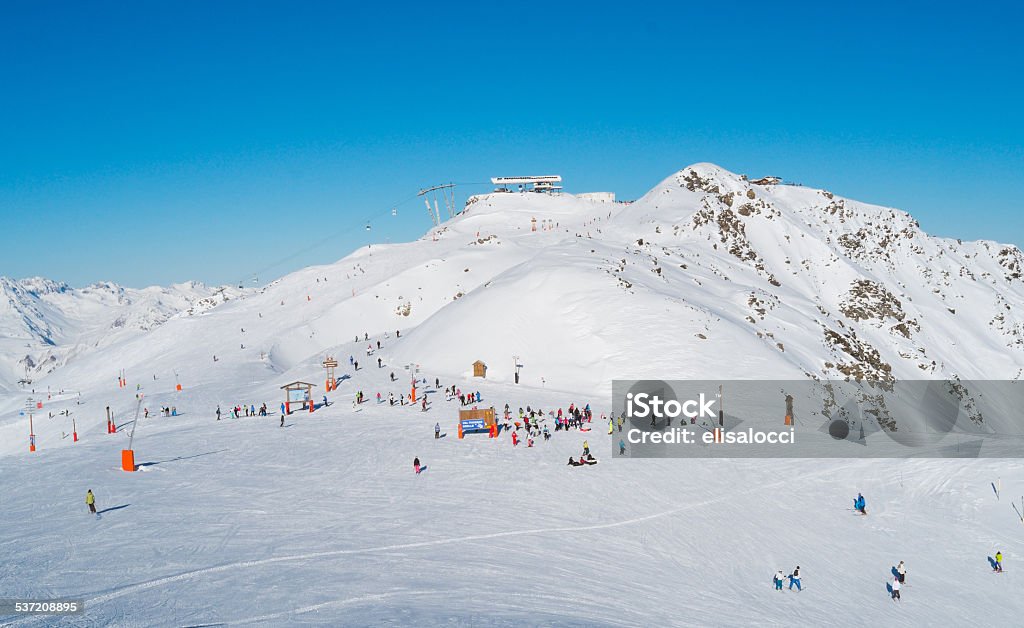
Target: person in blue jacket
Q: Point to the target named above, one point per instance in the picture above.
(860, 505)
(794, 578)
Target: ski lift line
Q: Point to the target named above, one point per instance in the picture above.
(365, 222)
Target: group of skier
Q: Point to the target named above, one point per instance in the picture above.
(248, 410)
(794, 579)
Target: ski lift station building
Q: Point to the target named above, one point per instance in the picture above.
(547, 183)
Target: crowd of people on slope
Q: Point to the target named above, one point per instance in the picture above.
(249, 410)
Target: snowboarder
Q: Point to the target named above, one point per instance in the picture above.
(999, 562)
(778, 580)
(794, 578)
(90, 501)
(416, 465)
(896, 589)
(860, 505)
(901, 572)
(437, 430)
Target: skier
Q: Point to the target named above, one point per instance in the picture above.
(896, 588)
(901, 572)
(380, 363)
(794, 578)
(437, 430)
(999, 562)
(355, 365)
(622, 447)
(778, 579)
(282, 420)
(860, 505)
(90, 501)
(325, 401)
(424, 407)
(416, 465)
(437, 383)
(392, 376)
(586, 447)
(218, 412)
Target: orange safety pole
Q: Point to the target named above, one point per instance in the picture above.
(31, 434)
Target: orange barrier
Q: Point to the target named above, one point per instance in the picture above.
(127, 460)
(178, 387)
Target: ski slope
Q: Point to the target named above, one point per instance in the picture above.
(323, 521)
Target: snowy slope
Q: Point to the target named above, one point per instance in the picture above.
(709, 275)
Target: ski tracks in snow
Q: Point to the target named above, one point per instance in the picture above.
(248, 564)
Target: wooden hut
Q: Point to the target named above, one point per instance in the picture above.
(479, 369)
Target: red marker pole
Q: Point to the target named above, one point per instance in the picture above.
(74, 432)
(31, 434)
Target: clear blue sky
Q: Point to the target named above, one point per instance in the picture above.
(146, 142)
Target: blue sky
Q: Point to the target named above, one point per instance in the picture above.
(153, 142)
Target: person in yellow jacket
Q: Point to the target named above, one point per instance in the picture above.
(90, 501)
(611, 425)
(999, 562)
(586, 448)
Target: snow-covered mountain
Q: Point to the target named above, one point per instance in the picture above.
(44, 323)
(708, 276)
